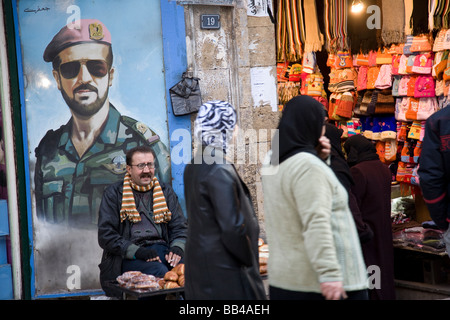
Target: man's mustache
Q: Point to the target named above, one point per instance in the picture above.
(85, 86)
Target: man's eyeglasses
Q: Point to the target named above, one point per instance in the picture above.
(97, 68)
(141, 166)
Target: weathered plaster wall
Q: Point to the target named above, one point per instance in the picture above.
(222, 59)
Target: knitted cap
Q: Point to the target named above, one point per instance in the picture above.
(446, 41)
(421, 43)
(423, 63)
(408, 44)
(439, 41)
(384, 79)
(427, 106)
(424, 87)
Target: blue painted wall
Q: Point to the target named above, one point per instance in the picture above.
(175, 63)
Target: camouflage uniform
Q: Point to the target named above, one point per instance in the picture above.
(68, 188)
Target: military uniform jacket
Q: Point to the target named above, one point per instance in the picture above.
(68, 189)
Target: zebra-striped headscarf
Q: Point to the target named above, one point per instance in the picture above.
(215, 123)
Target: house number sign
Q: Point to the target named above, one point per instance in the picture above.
(210, 21)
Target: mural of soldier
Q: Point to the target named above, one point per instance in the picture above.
(77, 161)
(94, 87)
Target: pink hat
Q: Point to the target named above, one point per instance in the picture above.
(424, 87)
(90, 30)
(402, 65)
(401, 106)
(427, 106)
(384, 79)
(403, 86)
(423, 63)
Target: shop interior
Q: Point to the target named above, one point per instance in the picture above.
(380, 68)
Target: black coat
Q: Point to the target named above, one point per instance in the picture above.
(222, 244)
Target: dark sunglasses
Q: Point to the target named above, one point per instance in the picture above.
(97, 68)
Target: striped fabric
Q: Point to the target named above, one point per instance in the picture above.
(298, 29)
(436, 9)
(439, 11)
(445, 15)
(160, 211)
(336, 25)
(314, 38)
(290, 30)
(281, 32)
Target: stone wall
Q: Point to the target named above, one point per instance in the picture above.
(222, 59)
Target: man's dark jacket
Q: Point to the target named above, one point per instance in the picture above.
(434, 167)
(114, 236)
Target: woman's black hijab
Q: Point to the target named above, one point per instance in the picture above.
(299, 129)
(338, 162)
(359, 149)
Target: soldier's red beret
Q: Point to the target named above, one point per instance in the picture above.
(90, 30)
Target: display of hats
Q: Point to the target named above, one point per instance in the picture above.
(387, 94)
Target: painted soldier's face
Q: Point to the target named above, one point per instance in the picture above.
(144, 176)
(84, 77)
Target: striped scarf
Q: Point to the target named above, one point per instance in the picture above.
(160, 211)
(290, 30)
(314, 39)
(336, 25)
(438, 14)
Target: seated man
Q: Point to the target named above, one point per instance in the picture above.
(141, 225)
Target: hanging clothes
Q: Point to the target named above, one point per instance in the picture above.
(290, 30)
(408, 17)
(335, 16)
(439, 11)
(393, 26)
(314, 39)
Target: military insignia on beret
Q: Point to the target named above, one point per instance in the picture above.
(95, 31)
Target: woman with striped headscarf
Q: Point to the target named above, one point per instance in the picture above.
(222, 244)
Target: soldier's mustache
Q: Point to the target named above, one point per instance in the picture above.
(86, 86)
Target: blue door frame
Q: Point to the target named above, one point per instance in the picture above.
(6, 281)
(175, 63)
